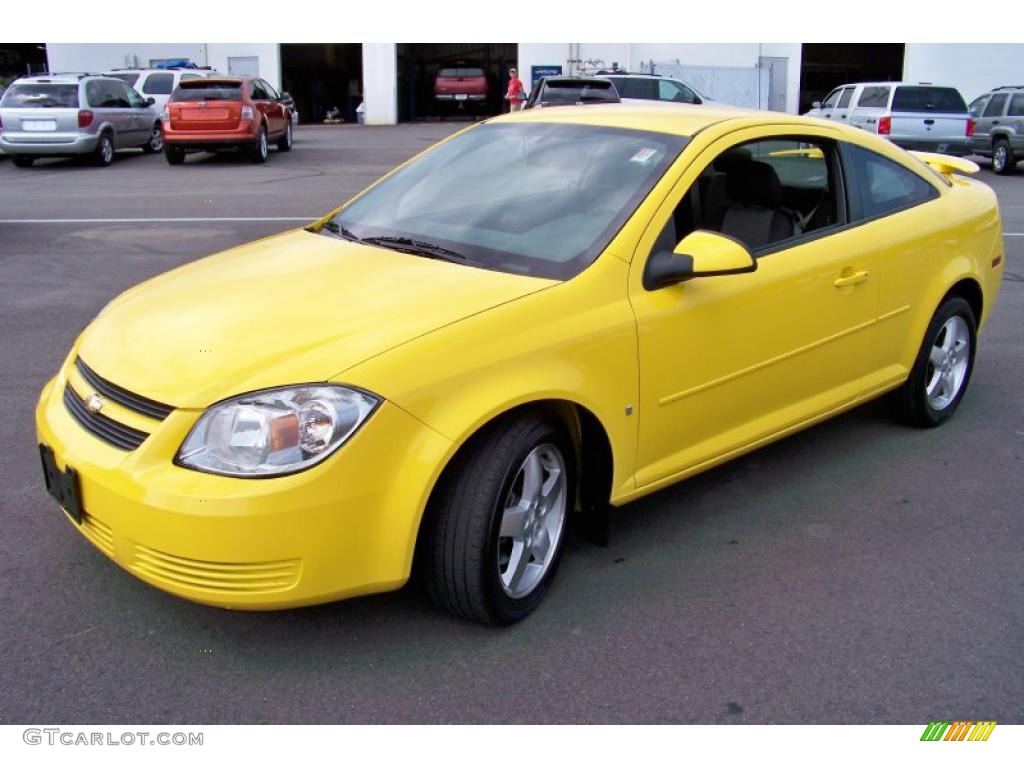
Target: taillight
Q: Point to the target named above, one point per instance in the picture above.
(85, 118)
(884, 126)
(247, 112)
(970, 126)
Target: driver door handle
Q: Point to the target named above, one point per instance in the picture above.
(855, 279)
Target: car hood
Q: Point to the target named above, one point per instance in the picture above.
(293, 308)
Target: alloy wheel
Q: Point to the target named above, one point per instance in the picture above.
(999, 158)
(947, 363)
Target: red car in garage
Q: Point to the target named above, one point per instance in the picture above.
(226, 113)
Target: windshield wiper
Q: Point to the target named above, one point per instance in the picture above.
(339, 231)
(418, 247)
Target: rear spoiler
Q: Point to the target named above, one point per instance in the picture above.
(947, 165)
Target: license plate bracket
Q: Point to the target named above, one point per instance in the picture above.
(63, 486)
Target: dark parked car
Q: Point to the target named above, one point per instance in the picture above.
(561, 91)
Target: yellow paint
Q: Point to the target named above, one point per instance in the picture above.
(710, 368)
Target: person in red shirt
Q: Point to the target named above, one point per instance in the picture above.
(515, 93)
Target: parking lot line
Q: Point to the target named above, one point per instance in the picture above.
(159, 220)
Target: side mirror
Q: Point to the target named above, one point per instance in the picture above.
(699, 254)
(815, 105)
(285, 96)
(150, 101)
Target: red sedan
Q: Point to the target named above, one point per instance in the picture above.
(214, 114)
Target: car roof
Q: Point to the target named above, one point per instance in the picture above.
(661, 117)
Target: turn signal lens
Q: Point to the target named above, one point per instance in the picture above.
(884, 126)
(85, 118)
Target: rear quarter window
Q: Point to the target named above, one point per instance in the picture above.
(874, 96)
(158, 83)
(885, 186)
(1016, 106)
(924, 98)
(41, 96)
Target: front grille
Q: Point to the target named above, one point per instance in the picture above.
(122, 396)
(106, 429)
(225, 578)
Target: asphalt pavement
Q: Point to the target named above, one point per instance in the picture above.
(858, 572)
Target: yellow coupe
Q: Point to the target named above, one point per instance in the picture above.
(546, 315)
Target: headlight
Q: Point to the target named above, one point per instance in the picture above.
(276, 431)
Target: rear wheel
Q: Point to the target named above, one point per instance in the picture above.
(1003, 161)
(497, 522)
(174, 155)
(284, 144)
(943, 367)
(103, 155)
(156, 141)
(259, 152)
(23, 161)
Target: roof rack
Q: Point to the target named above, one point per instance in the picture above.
(79, 75)
(1007, 87)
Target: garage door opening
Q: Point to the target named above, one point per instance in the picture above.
(420, 63)
(826, 65)
(323, 76)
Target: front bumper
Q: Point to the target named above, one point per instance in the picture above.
(78, 144)
(345, 527)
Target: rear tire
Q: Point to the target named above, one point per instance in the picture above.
(259, 152)
(174, 155)
(1003, 161)
(22, 161)
(156, 141)
(284, 144)
(495, 529)
(103, 155)
(943, 367)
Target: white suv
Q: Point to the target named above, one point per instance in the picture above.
(158, 84)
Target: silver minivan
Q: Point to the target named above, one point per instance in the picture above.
(75, 114)
(921, 116)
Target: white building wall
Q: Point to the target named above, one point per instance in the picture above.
(971, 68)
(380, 83)
(632, 56)
(99, 57)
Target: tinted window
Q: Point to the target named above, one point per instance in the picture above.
(844, 100)
(107, 94)
(874, 96)
(886, 186)
(669, 90)
(271, 93)
(572, 188)
(924, 98)
(574, 91)
(205, 90)
(128, 78)
(256, 90)
(461, 72)
(161, 83)
(1016, 106)
(639, 88)
(41, 95)
(995, 106)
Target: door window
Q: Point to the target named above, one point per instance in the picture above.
(269, 90)
(256, 91)
(977, 105)
(844, 100)
(161, 83)
(639, 88)
(995, 105)
(669, 90)
(885, 186)
(832, 99)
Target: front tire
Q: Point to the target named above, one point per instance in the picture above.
(1003, 161)
(103, 155)
(943, 367)
(259, 152)
(496, 527)
(22, 161)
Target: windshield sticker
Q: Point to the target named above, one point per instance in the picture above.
(644, 156)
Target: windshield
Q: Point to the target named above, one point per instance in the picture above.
(541, 199)
(41, 95)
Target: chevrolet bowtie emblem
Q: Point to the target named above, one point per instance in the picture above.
(93, 403)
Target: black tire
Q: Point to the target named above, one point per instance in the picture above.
(1003, 161)
(260, 150)
(912, 401)
(284, 144)
(22, 161)
(103, 155)
(459, 554)
(155, 143)
(174, 155)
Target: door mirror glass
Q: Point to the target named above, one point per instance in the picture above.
(699, 254)
(815, 105)
(150, 101)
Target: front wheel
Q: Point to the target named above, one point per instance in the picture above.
(497, 521)
(156, 141)
(943, 367)
(1003, 161)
